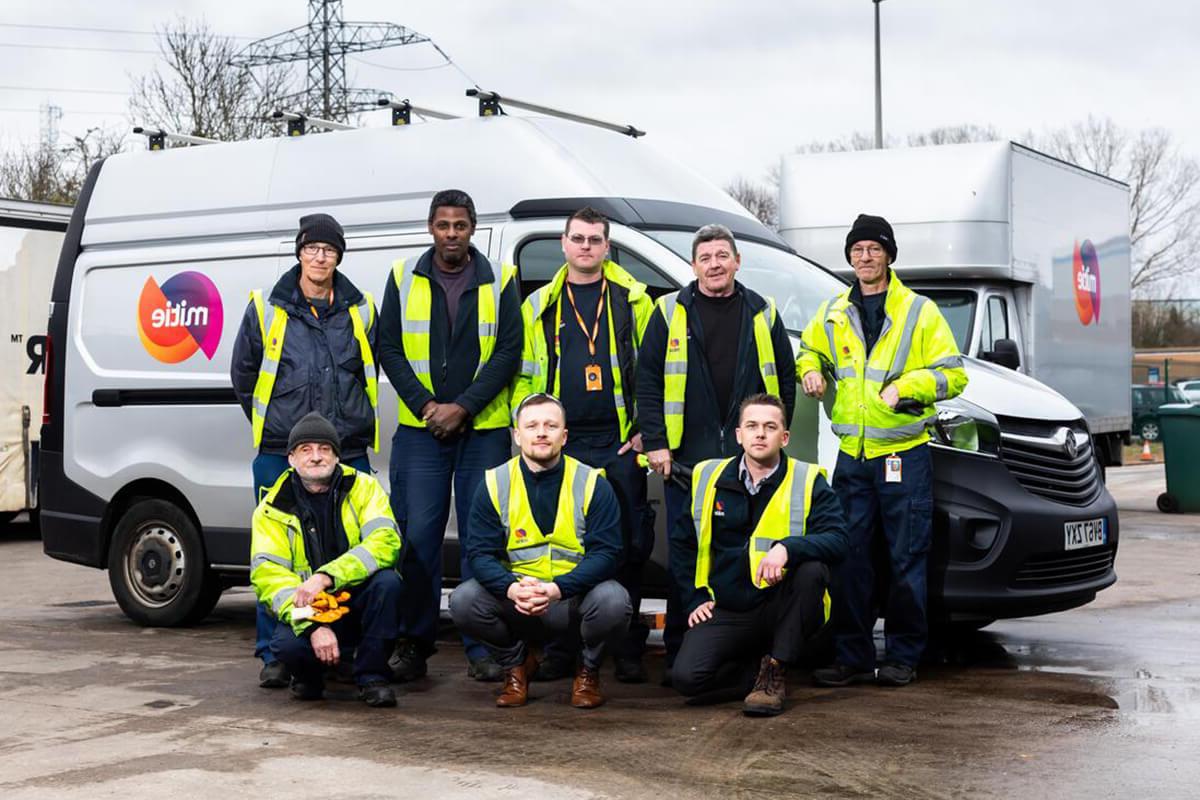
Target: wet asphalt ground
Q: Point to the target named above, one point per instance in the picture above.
(1101, 701)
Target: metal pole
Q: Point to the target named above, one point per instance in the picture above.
(878, 84)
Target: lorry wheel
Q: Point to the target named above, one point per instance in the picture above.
(1168, 503)
(157, 568)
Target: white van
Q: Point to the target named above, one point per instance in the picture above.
(146, 455)
(31, 237)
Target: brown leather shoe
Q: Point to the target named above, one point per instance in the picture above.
(515, 689)
(585, 691)
(766, 698)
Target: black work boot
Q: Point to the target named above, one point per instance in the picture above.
(842, 675)
(377, 694)
(630, 669)
(274, 676)
(408, 662)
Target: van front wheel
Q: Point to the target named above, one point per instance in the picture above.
(157, 568)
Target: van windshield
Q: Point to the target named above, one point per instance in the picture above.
(958, 307)
(797, 286)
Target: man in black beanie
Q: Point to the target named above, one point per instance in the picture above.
(324, 363)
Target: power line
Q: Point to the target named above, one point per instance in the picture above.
(96, 30)
(83, 49)
(65, 110)
(59, 89)
(443, 65)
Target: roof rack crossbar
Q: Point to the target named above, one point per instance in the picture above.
(491, 104)
(157, 139)
(298, 123)
(402, 111)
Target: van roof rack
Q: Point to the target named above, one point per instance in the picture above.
(491, 104)
(158, 138)
(298, 123)
(402, 111)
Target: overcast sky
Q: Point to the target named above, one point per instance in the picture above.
(726, 86)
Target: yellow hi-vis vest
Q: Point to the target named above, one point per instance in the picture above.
(530, 551)
(416, 309)
(786, 514)
(279, 564)
(272, 324)
(916, 352)
(535, 356)
(675, 365)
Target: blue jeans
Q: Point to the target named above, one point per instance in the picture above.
(902, 514)
(267, 468)
(422, 471)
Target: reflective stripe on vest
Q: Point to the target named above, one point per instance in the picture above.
(416, 310)
(786, 515)
(530, 551)
(675, 364)
(272, 324)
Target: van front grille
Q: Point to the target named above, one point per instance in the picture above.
(1057, 569)
(1052, 460)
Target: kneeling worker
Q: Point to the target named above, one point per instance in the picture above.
(325, 527)
(544, 543)
(756, 552)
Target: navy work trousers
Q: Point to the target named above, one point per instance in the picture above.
(370, 628)
(902, 514)
(422, 471)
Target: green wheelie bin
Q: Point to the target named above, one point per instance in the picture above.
(1180, 426)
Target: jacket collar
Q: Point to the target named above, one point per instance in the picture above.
(284, 499)
(896, 291)
(479, 262)
(287, 291)
(613, 272)
(755, 302)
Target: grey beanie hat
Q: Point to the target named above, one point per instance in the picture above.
(312, 427)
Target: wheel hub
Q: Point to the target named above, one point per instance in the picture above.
(156, 564)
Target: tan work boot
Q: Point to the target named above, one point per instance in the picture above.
(515, 690)
(585, 691)
(766, 698)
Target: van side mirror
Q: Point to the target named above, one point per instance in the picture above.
(1005, 354)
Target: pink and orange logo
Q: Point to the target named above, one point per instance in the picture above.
(180, 317)
(1087, 282)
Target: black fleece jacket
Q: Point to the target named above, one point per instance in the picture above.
(453, 350)
(708, 431)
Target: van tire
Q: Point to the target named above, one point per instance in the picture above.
(157, 567)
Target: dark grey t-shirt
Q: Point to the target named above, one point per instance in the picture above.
(454, 284)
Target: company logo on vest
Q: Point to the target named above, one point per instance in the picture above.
(179, 317)
(1087, 282)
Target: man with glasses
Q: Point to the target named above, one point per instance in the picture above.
(450, 342)
(892, 355)
(582, 333)
(708, 347)
(308, 346)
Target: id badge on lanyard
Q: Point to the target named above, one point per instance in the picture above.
(891, 469)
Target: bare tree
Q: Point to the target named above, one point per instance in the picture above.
(761, 201)
(55, 174)
(1165, 323)
(954, 134)
(1164, 193)
(197, 91)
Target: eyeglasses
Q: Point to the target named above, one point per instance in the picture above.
(578, 240)
(314, 249)
(874, 251)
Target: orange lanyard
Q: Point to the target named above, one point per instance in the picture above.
(599, 312)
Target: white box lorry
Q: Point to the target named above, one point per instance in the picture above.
(1027, 256)
(31, 236)
(131, 430)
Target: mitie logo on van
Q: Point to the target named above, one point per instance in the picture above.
(1087, 282)
(179, 317)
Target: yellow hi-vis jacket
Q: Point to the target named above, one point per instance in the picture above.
(530, 550)
(916, 352)
(533, 376)
(278, 563)
(416, 309)
(786, 515)
(272, 324)
(675, 363)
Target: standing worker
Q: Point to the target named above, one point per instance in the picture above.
(320, 356)
(709, 346)
(450, 342)
(892, 356)
(756, 549)
(582, 333)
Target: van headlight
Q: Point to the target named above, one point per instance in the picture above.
(962, 425)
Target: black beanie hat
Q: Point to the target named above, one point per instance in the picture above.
(312, 427)
(871, 229)
(321, 228)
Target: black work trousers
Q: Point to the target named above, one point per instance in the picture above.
(725, 650)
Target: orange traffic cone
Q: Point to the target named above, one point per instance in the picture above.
(1146, 454)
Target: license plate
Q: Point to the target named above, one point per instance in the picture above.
(1086, 533)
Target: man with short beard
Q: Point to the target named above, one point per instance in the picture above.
(325, 527)
(450, 342)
